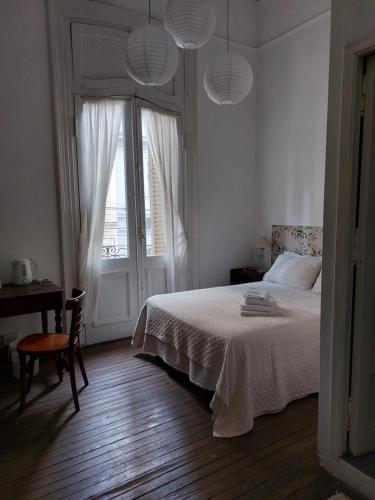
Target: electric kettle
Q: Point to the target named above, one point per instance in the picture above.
(22, 274)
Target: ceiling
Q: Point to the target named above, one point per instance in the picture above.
(242, 17)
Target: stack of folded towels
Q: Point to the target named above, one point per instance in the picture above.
(259, 303)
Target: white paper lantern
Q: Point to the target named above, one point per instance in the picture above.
(190, 22)
(151, 56)
(229, 79)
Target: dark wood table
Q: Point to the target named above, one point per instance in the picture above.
(37, 297)
(245, 275)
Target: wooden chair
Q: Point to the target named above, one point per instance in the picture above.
(57, 344)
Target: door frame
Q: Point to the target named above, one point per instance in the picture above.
(61, 14)
(361, 437)
(337, 287)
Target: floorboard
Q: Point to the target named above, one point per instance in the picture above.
(145, 432)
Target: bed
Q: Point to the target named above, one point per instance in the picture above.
(254, 365)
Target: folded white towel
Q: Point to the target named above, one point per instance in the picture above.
(251, 293)
(246, 307)
(265, 300)
(268, 307)
(276, 312)
(257, 302)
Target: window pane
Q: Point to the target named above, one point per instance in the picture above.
(115, 240)
(154, 210)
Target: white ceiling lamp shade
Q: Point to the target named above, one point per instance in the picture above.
(151, 56)
(190, 22)
(229, 78)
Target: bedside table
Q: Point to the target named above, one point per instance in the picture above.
(245, 275)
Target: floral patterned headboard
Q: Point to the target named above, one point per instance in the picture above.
(305, 240)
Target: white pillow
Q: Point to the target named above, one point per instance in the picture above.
(295, 271)
(317, 288)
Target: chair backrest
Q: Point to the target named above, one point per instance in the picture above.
(74, 304)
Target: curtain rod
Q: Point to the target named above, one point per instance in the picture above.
(128, 98)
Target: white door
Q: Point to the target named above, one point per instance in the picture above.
(152, 262)
(134, 265)
(362, 422)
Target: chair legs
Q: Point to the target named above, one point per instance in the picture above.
(27, 369)
(81, 365)
(60, 366)
(22, 358)
(73, 380)
(26, 376)
(30, 367)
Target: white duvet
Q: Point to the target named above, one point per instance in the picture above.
(255, 365)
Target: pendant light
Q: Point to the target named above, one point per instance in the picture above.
(151, 56)
(190, 22)
(229, 78)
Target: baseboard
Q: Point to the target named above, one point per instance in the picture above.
(350, 475)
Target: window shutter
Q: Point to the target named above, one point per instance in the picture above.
(157, 213)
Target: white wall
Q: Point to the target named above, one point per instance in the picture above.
(226, 161)
(28, 206)
(291, 122)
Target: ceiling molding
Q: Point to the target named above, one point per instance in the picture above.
(294, 29)
(243, 16)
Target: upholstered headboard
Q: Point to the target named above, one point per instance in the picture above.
(305, 240)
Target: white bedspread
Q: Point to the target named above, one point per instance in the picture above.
(255, 365)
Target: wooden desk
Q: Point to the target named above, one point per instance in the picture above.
(27, 299)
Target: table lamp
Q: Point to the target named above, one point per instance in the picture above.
(261, 243)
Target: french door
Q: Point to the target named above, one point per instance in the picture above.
(362, 420)
(133, 251)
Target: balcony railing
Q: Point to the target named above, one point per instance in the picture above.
(115, 240)
(113, 251)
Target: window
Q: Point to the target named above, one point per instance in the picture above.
(115, 240)
(154, 208)
(116, 237)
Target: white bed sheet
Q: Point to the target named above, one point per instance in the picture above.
(255, 365)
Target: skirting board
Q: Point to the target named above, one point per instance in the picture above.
(350, 475)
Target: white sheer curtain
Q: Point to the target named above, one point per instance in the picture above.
(99, 131)
(164, 149)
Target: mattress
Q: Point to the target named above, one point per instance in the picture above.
(254, 365)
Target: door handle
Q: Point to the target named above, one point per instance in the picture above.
(141, 233)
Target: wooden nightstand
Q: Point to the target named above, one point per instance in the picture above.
(245, 275)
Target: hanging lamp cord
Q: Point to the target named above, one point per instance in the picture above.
(228, 25)
(149, 11)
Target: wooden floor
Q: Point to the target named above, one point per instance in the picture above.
(143, 431)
